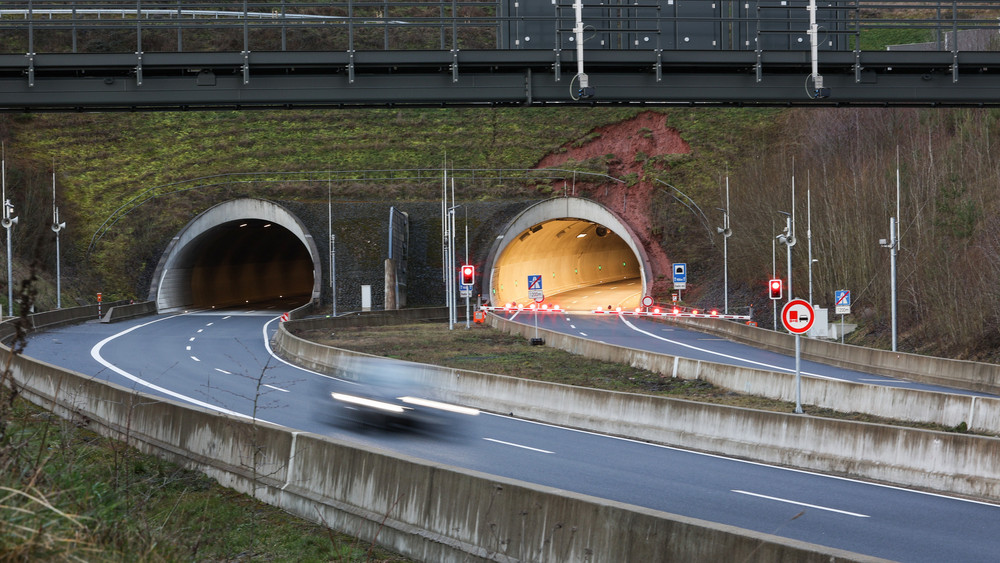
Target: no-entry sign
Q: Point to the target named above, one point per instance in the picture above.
(797, 316)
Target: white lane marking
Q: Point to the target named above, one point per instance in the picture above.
(95, 353)
(270, 351)
(277, 388)
(210, 324)
(195, 358)
(188, 348)
(220, 370)
(583, 334)
(727, 356)
(226, 317)
(748, 462)
(200, 329)
(807, 505)
(191, 339)
(572, 326)
(518, 446)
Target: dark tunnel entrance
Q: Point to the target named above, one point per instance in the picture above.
(249, 262)
(240, 253)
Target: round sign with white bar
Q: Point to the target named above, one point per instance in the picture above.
(797, 316)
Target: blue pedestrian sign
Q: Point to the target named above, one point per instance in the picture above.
(842, 300)
(535, 287)
(680, 275)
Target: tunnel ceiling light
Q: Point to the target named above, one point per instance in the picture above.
(581, 235)
(267, 225)
(243, 225)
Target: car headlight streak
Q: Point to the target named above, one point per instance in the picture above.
(439, 405)
(361, 401)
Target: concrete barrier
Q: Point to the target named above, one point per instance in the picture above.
(129, 311)
(973, 376)
(947, 462)
(980, 414)
(427, 511)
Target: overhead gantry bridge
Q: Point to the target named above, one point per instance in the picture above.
(71, 55)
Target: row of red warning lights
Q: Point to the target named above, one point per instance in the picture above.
(522, 307)
(639, 311)
(675, 312)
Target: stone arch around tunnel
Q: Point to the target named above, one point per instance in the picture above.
(243, 250)
(545, 239)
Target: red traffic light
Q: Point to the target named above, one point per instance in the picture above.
(468, 274)
(774, 287)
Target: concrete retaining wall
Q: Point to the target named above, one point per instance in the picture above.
(427, 511)
(974, 376)
(129, 311)
(947, 462)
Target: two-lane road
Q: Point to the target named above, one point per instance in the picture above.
(222, 360)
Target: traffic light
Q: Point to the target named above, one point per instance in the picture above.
(774, 287)
(468, 274)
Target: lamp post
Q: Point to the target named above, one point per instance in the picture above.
(56, 227)
(7, 222)
(787, 238)
(726, 232)
(892, 244)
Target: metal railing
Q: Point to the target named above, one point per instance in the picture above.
(77, 26)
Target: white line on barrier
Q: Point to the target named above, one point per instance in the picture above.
(828, 509)
(727, 356)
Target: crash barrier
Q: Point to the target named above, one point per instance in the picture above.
(424, 510)
(306, 319)
(129, 311)
(51, 319)
(978, 414)
(948, 462)
(973, 376)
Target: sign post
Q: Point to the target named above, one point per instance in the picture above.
(843, 303)
(797, 316)
(535, 293)
(680, 277)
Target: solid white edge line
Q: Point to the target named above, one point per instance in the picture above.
(727, 356)
(518, 446)
(807, 505)
(95, 353)
(267, 346)
(277, 388)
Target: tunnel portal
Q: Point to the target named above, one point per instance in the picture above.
(242, 252)
(586, 256)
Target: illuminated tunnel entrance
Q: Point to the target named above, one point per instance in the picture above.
(242, 252)
(586, 256)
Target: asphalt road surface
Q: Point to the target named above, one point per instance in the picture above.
(222, 360)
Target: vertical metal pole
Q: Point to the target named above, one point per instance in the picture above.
(467, 324)
(774, 272)
(809, 241)
(56, 227)
(333, 242)
(798, 374)
(725, 253)
(892, 261)
(788, 245)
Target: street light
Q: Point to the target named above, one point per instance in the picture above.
(7, 222)
(726, 232)
(787, 238)
(56, 227)
(893, 245)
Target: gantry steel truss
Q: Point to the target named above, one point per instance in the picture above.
(447, 73)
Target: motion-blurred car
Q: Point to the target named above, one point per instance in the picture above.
(386, 393)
